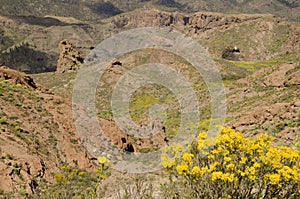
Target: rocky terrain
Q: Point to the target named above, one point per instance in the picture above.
(37, 134)
(69, 59)
(16, 77)
(38, 37)
(268, 101)
(258, 56)
(98, 9)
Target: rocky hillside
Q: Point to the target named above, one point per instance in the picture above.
(283, 8)
(257, 36)
(37, 135)
(267, 101)
(98, 9)
(258, 56)
(261, 95)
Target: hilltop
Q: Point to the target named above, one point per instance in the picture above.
(99, 9)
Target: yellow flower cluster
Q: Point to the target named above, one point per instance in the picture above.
(198, 172)
(273, 178)
(222, 176)
(103, 159)
(201, 137)
(182, 169)
(167, 162)
(239, 161)
(187, 157)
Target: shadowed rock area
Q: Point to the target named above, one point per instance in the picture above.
(25, 58)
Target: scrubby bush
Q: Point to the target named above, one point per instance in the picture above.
(231, 166)
(75, 183)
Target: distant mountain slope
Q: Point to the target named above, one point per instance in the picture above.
(283, 8)
(257, 36)
(97, 9)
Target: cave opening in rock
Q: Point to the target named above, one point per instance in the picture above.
(129, 148)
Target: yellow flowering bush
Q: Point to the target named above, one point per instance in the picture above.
(232, 166)
(72, 182)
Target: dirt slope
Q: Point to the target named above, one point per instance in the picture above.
(37, 136)
(268, 101)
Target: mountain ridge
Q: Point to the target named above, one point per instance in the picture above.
(99, 9)
(258, 36)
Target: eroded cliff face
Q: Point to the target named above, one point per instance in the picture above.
(200, 22)
(258, 36)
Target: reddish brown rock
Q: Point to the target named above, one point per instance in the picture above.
(69, 58)
(17, 77)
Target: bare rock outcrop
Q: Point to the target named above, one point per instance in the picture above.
(216, 31)
(17, 77)
(197, 22)
(130, 143)
(69, 58)
(279, 119)
(149, 18)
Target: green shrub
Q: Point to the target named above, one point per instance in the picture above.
(23, 192)
(3, 120)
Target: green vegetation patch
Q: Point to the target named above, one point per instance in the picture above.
(74, 183)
